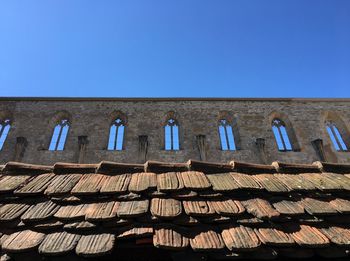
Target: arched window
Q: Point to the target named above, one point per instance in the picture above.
(335, 136)
(5, 126)
(227, 138)
(59, 135)
(281, 135)
(171, 130)
(116, 135)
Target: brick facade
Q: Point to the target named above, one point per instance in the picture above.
(33, 120)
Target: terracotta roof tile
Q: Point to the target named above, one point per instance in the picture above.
(341, 205)
(62, 167)
(62, 184)
(208, 207)
(308, 236)
(170, 237)
(240, 238)
(11, 182)
(246, 167)
(342, 180)
(274, 237)
(102, 211)
(318, 207)
(195, 180)
(198, 208)
(89, 184)
(260, 208)
(206, 239)
(271, 183)
(246, 181)
(321, 182)
(142, 181)
(161, 167)
(58, 243)
(22, 241)
(227, 207)
(20, 167)
(169, 181)
(337, 235)
(295, 182)
(135, 231)
(10, 212)
(41, 211)
(333, 167)
(289, 207)
(223, 182)
(165, 208)
(35, 186)
(283, 167)
(95, 245)
(80, 226)
(129, 209)
(116, 184)
(72, 212)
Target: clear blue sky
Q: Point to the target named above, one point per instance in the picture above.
(216, 48)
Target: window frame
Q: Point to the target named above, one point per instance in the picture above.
(171, 125)
(3, 124)
(115, 143)
(338, 139)
(279, 124)
(224, 123)
(62, 123)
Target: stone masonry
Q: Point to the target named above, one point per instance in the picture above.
(33, 120)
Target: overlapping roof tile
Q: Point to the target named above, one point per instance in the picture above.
(211, 210)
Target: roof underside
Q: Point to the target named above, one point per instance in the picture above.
(156, 211)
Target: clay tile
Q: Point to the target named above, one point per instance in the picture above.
(61, 168)
(160, 167)
(332, 167)
(245, 167)
(118, 168)
(295, 168)
(209, 167)
(18, 167)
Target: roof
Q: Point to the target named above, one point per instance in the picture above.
(179, 210)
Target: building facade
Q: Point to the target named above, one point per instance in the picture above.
(88, 130)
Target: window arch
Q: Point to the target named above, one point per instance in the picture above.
(5, 126)
(335, 136)
(227, 138)
(59, 135)
(281, 135)
(116, 135)
(171, 135)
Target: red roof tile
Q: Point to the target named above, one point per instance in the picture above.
(257, 211)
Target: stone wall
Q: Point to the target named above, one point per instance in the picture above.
(33, 120)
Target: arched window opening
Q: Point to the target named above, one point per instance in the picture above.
(336, 137)
(116, 135)
(59, 135)
(281, 135)
(172, 135)
(5, 126)
(227, 138)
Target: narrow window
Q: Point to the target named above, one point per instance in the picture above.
(116, 135)
(59, 135)
(227, 138)
(336, 137)
(281, 136)
(4, 130)
(172, 135)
